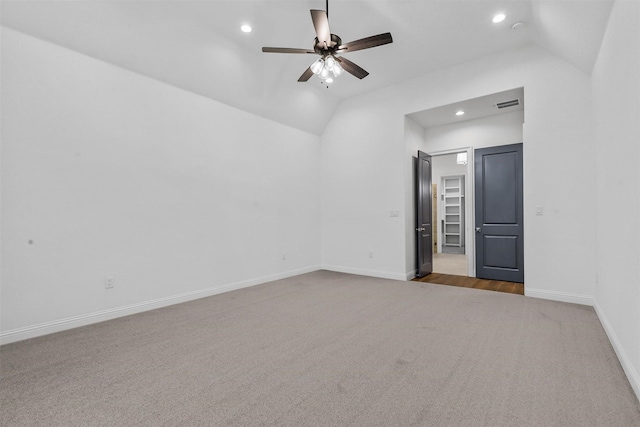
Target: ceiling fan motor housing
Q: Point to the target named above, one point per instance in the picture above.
(321, 49)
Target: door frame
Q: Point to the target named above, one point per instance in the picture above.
(469, 204)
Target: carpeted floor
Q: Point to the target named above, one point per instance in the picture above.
(326, 349)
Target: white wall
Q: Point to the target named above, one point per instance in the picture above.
(491, 131)
(616, 100)
(107, 172)
(446, 164)
(362, 181)
(365, 173)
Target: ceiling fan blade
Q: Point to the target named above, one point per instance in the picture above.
(352, 68)
(321, 24)
(286, 50)
(366, 43)
(306, 75)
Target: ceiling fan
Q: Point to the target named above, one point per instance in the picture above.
(328, 46)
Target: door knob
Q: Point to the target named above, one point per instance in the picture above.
(478, 229)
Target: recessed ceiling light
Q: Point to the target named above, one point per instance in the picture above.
(246, 28)
(459, 113)
(498, 18)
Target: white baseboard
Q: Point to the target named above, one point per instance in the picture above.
(33, 331)
(410, 275)
(627, 366)
(371, 273)
(558, 296)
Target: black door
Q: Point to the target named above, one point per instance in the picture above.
(423, 227)
(499, 213)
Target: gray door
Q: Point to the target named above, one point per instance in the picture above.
(423, 227)
(499, 214)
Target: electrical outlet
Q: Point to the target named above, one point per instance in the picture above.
(284, 257)
(370, 254)
(109, 282)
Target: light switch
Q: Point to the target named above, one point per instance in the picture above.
(539, 210)
(394, 213)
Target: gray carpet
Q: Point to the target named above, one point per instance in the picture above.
(326, 349)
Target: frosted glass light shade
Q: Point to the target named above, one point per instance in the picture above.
(337, 69)
(317, 66)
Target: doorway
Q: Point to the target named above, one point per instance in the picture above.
(450, 214)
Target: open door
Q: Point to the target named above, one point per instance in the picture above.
(424, 230)
(499, 213)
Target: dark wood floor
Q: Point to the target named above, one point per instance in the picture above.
(472, 282)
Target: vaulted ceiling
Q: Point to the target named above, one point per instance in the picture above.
(198, 45)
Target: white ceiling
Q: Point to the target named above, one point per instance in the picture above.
(475, 108)
(198, 45)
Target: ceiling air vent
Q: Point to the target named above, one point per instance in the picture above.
(507, 104)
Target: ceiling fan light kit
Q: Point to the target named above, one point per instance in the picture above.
(328, 46)
(325, 67)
